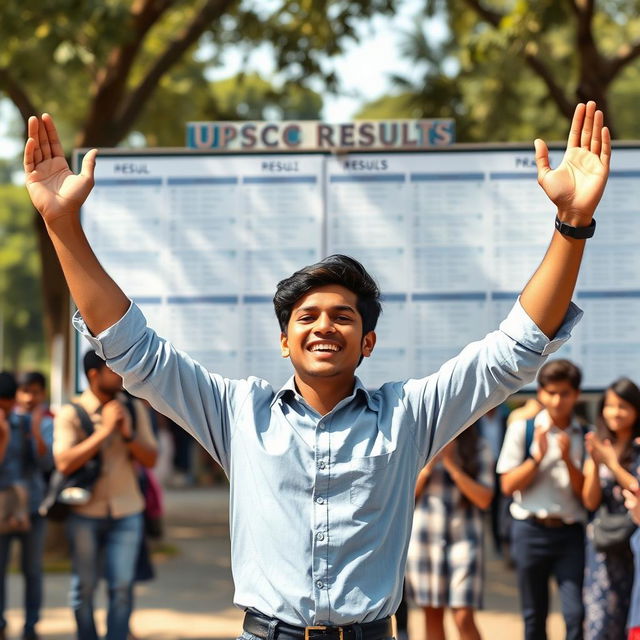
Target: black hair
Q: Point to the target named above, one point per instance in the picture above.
(630, 393)
(92, 360)
(32, 377)
(560, 371)
(8, 385)
(335, 269)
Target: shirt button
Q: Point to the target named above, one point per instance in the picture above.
(320, 500)
(320, 536)
(319, 584)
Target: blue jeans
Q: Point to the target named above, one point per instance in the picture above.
(539, 553)
(31, 550)
(103, 547)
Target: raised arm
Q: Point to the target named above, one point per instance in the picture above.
(57, 193)
(575, 187)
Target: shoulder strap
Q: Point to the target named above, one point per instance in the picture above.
(131, 408)
(528, 437)
(85, 420)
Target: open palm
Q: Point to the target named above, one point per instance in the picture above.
(54, 189)
(577, 184)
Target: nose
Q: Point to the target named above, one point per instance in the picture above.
(324, 324)
(555, 401)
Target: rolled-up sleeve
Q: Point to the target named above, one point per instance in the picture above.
(482, 376)
(177, 386)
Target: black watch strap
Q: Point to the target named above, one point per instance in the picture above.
(579, 233)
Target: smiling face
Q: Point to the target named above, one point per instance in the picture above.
(324, 334)
(619, 415)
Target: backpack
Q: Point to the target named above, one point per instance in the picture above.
(64, 491)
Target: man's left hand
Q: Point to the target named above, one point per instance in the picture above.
(577, 184)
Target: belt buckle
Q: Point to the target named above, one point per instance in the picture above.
(321, 628)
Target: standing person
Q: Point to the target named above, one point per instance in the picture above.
(632, 503)
(30, 437)
(541, 467)
(323, 471)
(109, 526)
(445, 562)
(491, 428)
(612, 466)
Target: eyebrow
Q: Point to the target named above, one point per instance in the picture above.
(339, 307)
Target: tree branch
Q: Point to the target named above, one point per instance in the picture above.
(627, 55)
(136, 100)
(111, 83)
(555, 90)
(17, 95)
(492, 17)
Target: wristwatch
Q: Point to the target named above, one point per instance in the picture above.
(579, 233)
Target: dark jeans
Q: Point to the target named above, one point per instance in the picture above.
(109, 547)
(31, 550)
(540, 552)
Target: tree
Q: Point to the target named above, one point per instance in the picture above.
(21, 309)
(99, 66)
(510, 70)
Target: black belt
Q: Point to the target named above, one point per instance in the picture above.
(262, 626)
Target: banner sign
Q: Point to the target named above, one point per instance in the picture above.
(369, 135)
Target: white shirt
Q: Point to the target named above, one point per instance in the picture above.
(550, 493)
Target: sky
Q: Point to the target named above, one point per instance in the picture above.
(363, 70)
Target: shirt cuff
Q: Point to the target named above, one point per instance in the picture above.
(119, 337)
(521, 328)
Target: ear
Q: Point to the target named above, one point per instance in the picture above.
(284, 345)
(368, 342)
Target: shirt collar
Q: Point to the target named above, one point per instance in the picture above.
(289, 388)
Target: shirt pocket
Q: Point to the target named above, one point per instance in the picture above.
(370, 480)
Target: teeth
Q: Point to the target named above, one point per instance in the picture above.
(325, 347)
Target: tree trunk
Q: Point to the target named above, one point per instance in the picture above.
(56, 300)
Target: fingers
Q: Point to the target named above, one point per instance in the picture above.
(605, 154)
(542, 159)
(596, 137)
(586, 132)
(576, 126)
(89, 164)
(55, 147)
(33, 125)
(28, 158)
(43, 140)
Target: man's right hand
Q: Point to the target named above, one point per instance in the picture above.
(113, 416)
(54, 189)
(540, 438)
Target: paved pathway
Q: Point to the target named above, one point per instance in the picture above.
(191, 597)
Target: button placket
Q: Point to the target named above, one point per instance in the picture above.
(320, 519)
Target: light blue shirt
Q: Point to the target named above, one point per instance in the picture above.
(321, 506)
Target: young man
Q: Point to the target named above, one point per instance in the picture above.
(32, 394)
(109, 526)
(27, 456)
(322, 471)
(543, 472)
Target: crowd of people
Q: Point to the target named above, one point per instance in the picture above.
(107, 522)
(563, 498)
